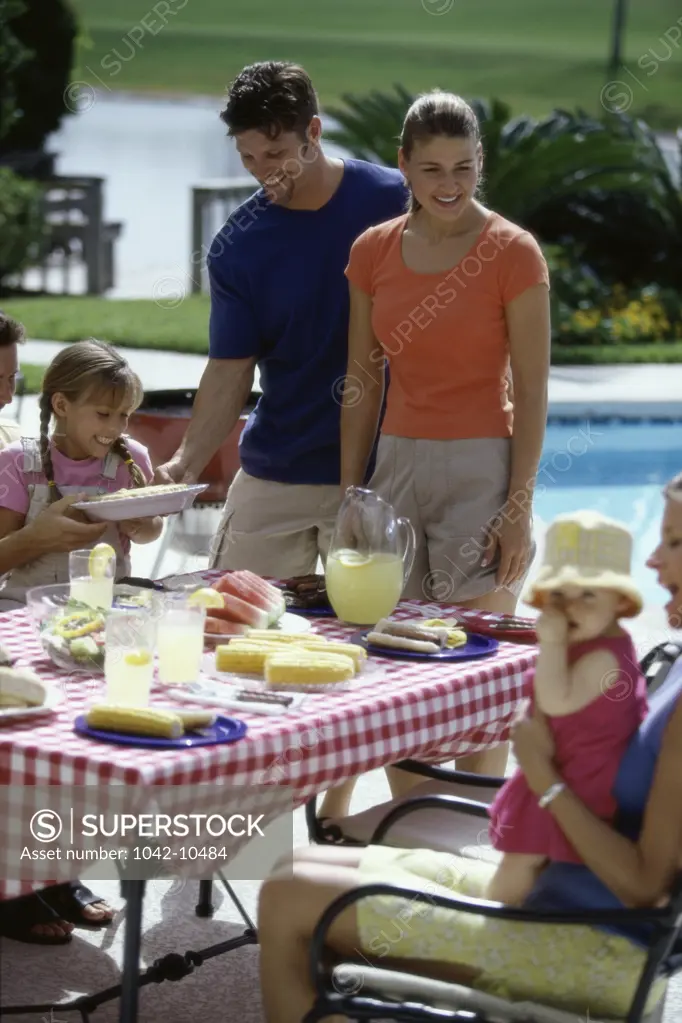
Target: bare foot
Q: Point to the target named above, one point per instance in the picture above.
(58, 929)
(97, 912)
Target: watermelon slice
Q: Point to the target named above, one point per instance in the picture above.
(269, 592)
(218, 627)
(238, 610)
(219, 584)
(262, 584)
(241, 586)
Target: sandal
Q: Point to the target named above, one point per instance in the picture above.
(328, 834)
(68, 901)
(19, 916)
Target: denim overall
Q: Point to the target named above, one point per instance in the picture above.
(54, 568)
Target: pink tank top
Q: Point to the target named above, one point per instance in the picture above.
(596, 736)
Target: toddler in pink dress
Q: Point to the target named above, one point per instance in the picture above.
(587, 683)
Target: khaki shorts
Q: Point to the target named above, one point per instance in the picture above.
(275, 529)
(449, 490)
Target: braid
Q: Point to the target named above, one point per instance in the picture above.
(121, 448)
(45, 453)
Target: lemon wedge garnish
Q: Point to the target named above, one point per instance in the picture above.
(138, 658)
(206, 597)
(100, 556)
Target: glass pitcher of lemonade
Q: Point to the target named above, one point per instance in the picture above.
(370, 557)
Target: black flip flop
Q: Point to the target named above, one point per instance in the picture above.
(18, 916)
(68, 901)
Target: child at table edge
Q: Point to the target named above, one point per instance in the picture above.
(90, 391)
(587, 682)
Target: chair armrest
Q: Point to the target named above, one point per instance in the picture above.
(486, 781)
(465, 904)
(439, 802)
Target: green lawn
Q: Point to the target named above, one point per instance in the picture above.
(33, 377)
(535, 54)
(143, 324)
(134, 323)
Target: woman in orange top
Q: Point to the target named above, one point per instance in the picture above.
(454, 297)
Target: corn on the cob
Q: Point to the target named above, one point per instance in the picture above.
(192, 719)
(135, 720)
(307, 667)
(242, 656)
(356, 653)
(269, 636)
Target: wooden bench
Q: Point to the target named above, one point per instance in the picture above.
(77, 234)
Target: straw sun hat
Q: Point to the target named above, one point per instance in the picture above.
(586, 549)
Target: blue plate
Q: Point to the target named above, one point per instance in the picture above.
(313, 612)
(223, 730)
(475, 646)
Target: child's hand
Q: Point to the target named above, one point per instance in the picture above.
(61, 528)
(552, 627)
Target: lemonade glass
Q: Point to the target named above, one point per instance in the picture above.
(92, 573)
(180, 639)
(129, 656)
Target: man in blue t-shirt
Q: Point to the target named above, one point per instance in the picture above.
(279, 301)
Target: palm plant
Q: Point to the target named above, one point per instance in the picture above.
(600, 186)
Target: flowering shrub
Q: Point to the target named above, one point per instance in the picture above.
(586, 311)
(642, 317)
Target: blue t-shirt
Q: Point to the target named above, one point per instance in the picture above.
(572, 886)
(279, 294)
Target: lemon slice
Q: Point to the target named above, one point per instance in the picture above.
(100, 556)
(353, 558)
(138, 658)
(206, 597)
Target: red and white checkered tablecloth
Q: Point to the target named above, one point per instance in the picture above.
(431, 712)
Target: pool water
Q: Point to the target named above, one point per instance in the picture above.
(614, 467)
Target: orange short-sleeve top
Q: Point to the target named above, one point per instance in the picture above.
(445, 335)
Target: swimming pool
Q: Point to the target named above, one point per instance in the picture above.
(616, 467)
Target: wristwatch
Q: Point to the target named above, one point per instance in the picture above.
(552, 792)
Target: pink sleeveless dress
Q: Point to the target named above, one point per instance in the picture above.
(589, 747)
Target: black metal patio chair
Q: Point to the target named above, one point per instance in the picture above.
(367, 992)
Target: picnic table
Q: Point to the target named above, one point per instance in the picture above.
(402, 709)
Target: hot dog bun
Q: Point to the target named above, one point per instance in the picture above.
(402, 643)
(412, 630)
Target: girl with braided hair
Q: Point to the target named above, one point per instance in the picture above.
(89, 391)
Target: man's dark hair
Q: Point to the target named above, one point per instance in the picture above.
(272, 97)
(11, 331)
